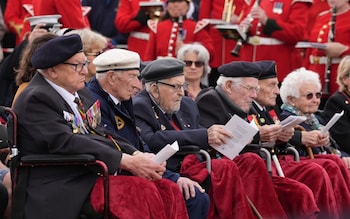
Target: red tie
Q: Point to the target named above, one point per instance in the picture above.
(173, 123)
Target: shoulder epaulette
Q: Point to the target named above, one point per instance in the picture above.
(152, 24)
(200, 25)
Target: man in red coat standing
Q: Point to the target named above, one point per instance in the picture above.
(274, 28)
(175, 30)
(71, 12)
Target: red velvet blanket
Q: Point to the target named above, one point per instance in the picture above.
(227, 196)
(134, 197)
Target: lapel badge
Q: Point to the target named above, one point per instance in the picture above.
(162, 127)
(119, 121)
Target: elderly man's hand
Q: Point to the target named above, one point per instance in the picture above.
(217, 135)
(142, 165)
(187, 187)
(269, 133)
(286, 135)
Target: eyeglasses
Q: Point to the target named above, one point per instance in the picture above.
(176, 87)
(78, 67)
(310, 95)
(93, 53)
(198, 64)
(250, 88)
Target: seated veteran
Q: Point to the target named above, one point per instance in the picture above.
(301, 92)
(267, 119)
(51, 120)
(164, 115)
(338, 102)
(236, 89)
(116, 78)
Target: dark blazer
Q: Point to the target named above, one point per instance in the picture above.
(157, 131)
(42, 129)
(341, 130)
(116, 119)
(216, 108)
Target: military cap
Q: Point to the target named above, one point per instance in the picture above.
(117, 59)
(237, 69)
(268, 69)
(49, 20)
(162, 69)
(56, 51)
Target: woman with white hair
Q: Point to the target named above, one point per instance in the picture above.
(301, 93)
(196, 58)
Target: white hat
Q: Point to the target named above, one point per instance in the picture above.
(117, 59)
(47, 19)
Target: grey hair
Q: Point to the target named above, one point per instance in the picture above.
(223, 79)
(90, 38)
(292, 82)
(202, 53)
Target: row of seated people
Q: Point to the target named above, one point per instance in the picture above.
(153, 78)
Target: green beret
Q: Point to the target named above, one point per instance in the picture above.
(162, 69)
(268, 69)
(57, 51)
(238, 69)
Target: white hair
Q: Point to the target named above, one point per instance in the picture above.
(292, 82)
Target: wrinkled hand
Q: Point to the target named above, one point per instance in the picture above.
(217, 135)
(269, 133)
(142, 165)
(335, 49)
(314, 138)
(187, 187)
(286, 135)
(37, 32)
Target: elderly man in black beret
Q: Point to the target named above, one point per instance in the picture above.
(236, 89)
(165, 115)
(51, 120)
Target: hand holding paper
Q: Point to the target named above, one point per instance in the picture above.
(166, 153)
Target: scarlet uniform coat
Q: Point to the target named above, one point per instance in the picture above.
(319, 34)
(286, 25)
(71, 12)
(15, 15)
(163, 38)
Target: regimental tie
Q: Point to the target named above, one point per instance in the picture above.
(91, 130)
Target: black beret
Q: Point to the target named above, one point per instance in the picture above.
(56, 51)
(162, 69)
(237, 69)
(268, 69)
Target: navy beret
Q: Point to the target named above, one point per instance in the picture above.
(237, 69)
(162, 69)
(268, 69)
(57, 51)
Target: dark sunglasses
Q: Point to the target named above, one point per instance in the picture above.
(198, 64)
(309, 96)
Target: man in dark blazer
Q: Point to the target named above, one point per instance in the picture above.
(49, 122)
(165, 115)
(116, 79)
(236, 89)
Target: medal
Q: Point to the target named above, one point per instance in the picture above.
(277, 8)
